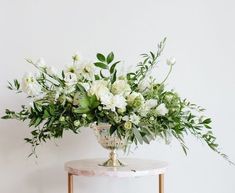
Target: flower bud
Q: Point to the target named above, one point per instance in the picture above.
(171, 61)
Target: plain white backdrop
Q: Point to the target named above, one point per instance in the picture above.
(200, 36)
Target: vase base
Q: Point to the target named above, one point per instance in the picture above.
(112, 163)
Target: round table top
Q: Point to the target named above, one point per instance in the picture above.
(132, 168)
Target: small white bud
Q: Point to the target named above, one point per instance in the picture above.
(171, 61)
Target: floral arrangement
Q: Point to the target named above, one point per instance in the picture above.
(138, 108)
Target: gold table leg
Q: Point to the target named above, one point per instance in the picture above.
(161, 183)
(70, 183)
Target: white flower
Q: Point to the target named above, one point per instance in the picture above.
(106, 100)
(87, 70)
(135, 99)
(162, 110)
(171, 61)
(30, 85)
(121, 87)
(40, 63)
(113, 101)
(147, 106)
(134, 119)
(151, 103)
(119, 101)
(70, 78)
(98, 88)
(72, 68)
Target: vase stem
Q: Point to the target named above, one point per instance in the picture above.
(113, 161)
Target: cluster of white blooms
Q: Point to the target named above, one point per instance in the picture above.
(30, 85)
(100, 89)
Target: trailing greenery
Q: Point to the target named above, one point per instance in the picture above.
(139, 108)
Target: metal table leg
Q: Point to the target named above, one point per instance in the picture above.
(70, 183)
(161, 183)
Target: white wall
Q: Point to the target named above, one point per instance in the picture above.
(201, 37)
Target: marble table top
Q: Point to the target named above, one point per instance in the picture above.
(133, 168)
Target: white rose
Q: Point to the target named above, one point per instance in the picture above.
(134, 119)
(171, 61)
(30, 85)
(121, 87)
(40, 63)
(162, 110)
(98, 87)
(70, 78)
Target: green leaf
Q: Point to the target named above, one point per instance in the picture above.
(101, 65)
(207, 121)
(114, 76)
(113, 67)
(110, 57)
(84, 102)
(81, 110)
(100, 57)
(138, 135)
(97, 77)
(38, 121)
(81, 88)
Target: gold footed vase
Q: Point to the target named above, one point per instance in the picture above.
(109, 142)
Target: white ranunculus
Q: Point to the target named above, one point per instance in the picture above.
(171, 61)
(30, 85)
(134, 119)
(151, 103)
(40, 63)
(161, 109)
(121, 87)
(70, 79)
(98, 88)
